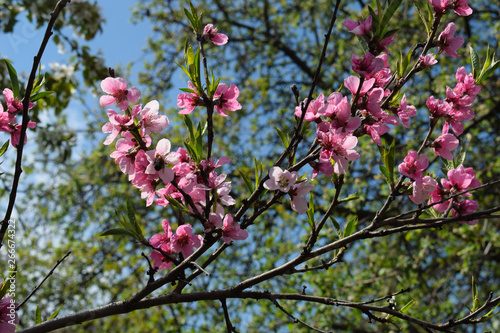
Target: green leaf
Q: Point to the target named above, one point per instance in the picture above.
(474, 59)
(187, 72)
(475, 297)
(422, 17)
(35, 97)
(190, 127)
(375, 21)
(38, 315)
(336, 226)
(5, 287)
(4, 147)
(191, 151)
(248, 182)
(350, 226)
(13, 78)
(282, 136)
(54, 315)
(191, 91)
(190, 18)
(490, 314)
(199, 140)
(407, 306)
(310, 211)
(389, 12)
(350, 198)
(118, 232)
(133, 221)
(176, 204)
(363, 44)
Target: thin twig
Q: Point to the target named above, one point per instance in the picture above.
(230, 327)
(44, 279)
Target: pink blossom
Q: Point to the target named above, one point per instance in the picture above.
(422, 188)
(413, 165)
(118, 123)
(161, 160)
(8, 316)
(297, 193)
(188, 101)
(338, 146)
(461, 7)
(211, 33)
(444, 144)
(231, 230)
(164, 238)
(367, 65)
(225, 98)
(223, 188)
(15, 135)
(312, 112)
(124, 155)
(13, 104)
(352, 83)
(159, 260)
(450, 44)
(405, 112)
(7, 121)
(459, 180)
(184, 241)
(359, 28)
(427, 60)
(339, 110)
(151, 122)
(438, 108)
(214, 219)
(465, 207)
(280, 180)
(118, 92)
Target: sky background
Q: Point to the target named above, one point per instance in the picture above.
(121, 42)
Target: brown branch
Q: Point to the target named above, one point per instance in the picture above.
(216, 295)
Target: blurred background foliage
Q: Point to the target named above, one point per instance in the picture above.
(73, 189)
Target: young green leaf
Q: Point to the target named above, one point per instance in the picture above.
(407, 306)
(38, 315)
(35, 97)
(13, 78)
(282, 136)
(118, 232)
(350, 226)
(474, 59)
(4, 147)
(54, 315)
(475, 297)
(336, 226)
(389, 12)
(248, 182)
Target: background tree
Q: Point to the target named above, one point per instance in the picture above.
(272, 46)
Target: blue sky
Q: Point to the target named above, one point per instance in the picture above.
(120, 42)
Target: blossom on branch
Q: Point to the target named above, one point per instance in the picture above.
(118, 92)
(210, 33)
(449, 43)
(280, 180)
(225, 98)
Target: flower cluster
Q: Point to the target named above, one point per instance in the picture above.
(163, 175)
(459, 180)
(8, 120)
(286, 181)
(224, 99)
